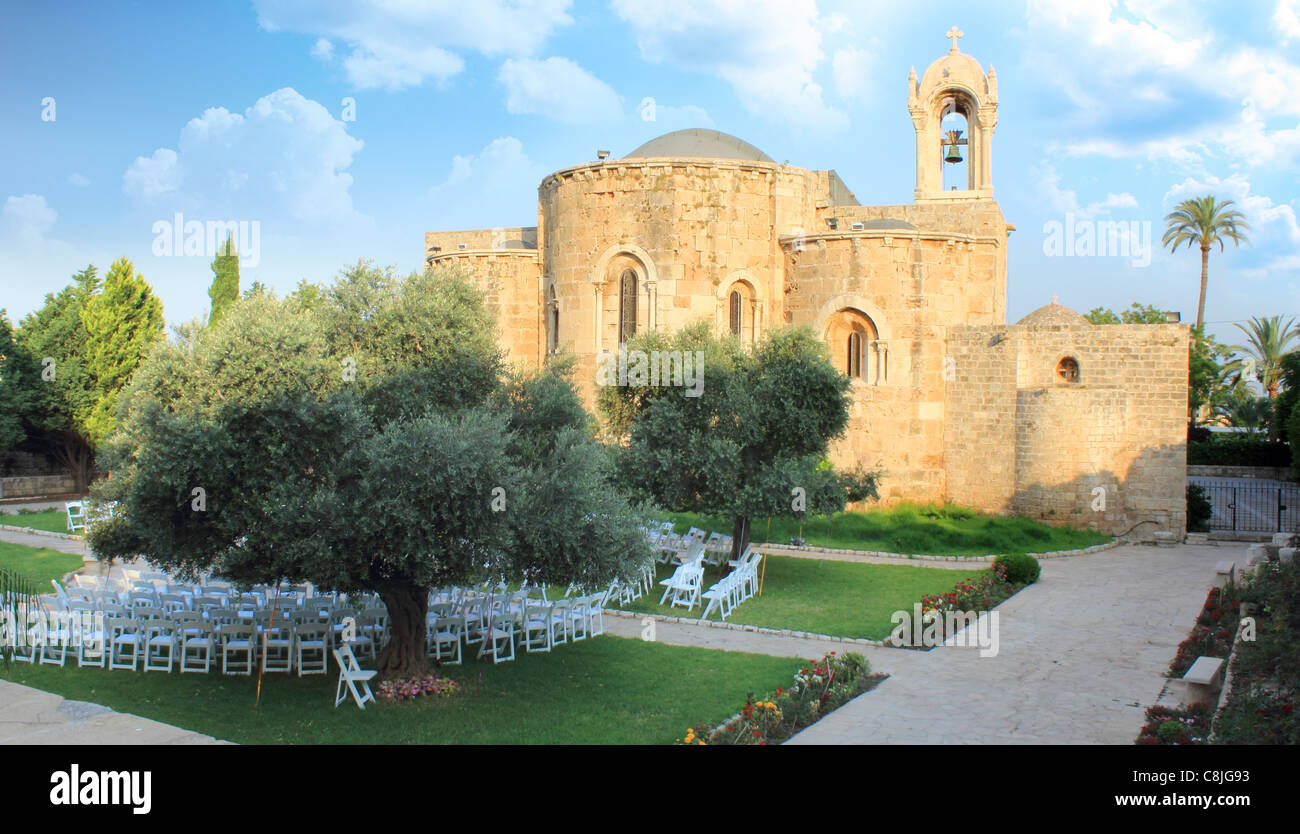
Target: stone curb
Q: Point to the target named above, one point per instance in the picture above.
(34, 532)
(798, 551)
(775, 632)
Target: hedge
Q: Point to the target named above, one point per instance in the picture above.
(1238, 452)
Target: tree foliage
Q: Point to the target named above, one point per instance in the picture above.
(1135, 314)
(56, 337)
(224, 290)
(19, 386)
(123, 322)
(412, 465)
(1203, 222)
(759, 429)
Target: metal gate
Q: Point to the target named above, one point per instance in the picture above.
(1253, 509)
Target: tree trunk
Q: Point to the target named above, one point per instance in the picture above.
(403, 656)
(1205, 279)
(739, 539)
(73, 453)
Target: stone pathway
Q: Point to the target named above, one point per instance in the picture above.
(30, 716)
(1081, 657)
(74, 546)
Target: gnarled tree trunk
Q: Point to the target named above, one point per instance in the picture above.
(403, 656)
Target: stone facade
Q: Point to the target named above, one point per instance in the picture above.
(948, 401)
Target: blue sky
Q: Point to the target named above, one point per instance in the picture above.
(234, 111)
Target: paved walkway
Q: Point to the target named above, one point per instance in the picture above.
(30, 716)
(1081, 657)
(74, 546)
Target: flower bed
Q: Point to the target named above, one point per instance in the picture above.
(978, 594)
(401, 690)
(1264, 705)
(1181, 726)
(1212, 635)
(817, 690)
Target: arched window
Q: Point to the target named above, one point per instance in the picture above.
(852, 337)
(736, 303)
(1067, 370)
(626, 306)
(857, 347)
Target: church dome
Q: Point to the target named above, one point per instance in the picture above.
(699, 143)
(1053, 315)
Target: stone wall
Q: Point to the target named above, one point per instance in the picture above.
(1107, 451)
(511, 281)
(36, 486)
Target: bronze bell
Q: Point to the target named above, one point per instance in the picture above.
(954, 155)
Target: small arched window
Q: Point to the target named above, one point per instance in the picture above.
(736, 302)
(857, 350)
(626, 306)
(1067, 370)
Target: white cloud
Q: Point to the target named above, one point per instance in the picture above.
(323, 49)
(26, 219)
(767, 50)
(285, 156)
(77, 179)
(1287, 20)
(1155, 79)
(1270, 222)
(401, 43)
(854, 72)
(1066, 200)
(394, 67)
(501, 174)
(557, 88)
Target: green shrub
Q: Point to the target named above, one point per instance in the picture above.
(1171, 732)
(1021, 568)
(1199, 509)
(1238, 451)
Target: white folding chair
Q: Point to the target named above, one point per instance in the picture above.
(196, 646)
(499, 638)
(238, 648)
(311, 641)
(445, 635)
(159, 646)
(76, 516)
(124, 643)
(351, 674)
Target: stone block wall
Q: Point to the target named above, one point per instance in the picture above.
(1107, 451)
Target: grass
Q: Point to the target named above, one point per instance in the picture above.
(51, 521)
(39, 564)
(842, 599)
(921, 529)
(603, 690)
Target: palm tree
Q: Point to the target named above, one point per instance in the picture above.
(1269, 339)
(1204, 222)
(1245, 410)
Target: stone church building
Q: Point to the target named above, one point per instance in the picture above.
(1050, 417)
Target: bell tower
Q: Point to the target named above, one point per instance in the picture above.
(954, 108)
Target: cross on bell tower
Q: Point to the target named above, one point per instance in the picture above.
(954, 85)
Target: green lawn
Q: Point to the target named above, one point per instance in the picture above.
(38, 564)
(52, 521)
(842, 599)
(912, 529)
(603, 690)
